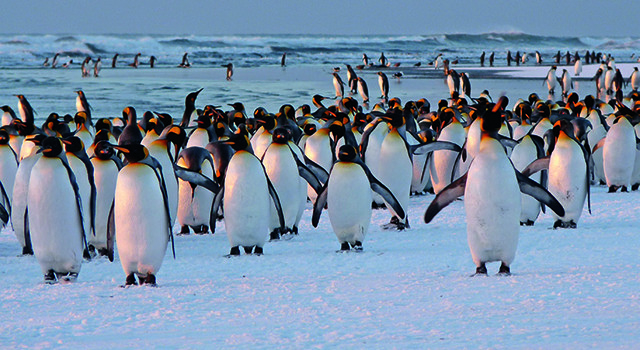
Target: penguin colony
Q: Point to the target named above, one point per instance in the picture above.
(78, 187)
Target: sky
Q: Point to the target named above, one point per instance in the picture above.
(543, 17)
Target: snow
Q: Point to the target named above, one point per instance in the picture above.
(569, 289)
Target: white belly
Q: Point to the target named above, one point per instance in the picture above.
(141, 222)
(194, 210)
(567, 179)
(246, 201)
(56, 233)
(8, 169)
(395, 168)
(20, 192)
(105, 176)
(492, 205)
(282, 170)
(619, 154)
(523, 154)
(82, 179)
(349, 202)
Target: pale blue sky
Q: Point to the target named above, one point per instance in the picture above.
(545, 17)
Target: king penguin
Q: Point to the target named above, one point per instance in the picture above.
(245, 198)
(194, 202)
(55, 215)
(492, 204)
(619, 147)
(347, 195)
(106, 166)
(141, 214)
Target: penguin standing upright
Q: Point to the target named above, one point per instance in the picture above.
(492, 204)
(131, 134)
(188, 117)
(8, 170)
(245, 198)
(55, 215)
(83, 169)
(287, 173)
(229, 67)
(141, 214)
(383, 81)
(194, 202)
(347, 194)
(551, 79)
(363, 90)
(443, 161)
(619, 147)
(634, 79)
(106, 166)
(338, 85)
(528, 149)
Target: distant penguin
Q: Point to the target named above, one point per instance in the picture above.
(347, 195)
(246, 198)
(194, 202)
(131, 133)
(577, 67)
(8, 116)
(54, 61)
(26, 111)
(338, 85)
(86, 71)
(46, 62)
(538, 57)
(635, 79)
(185, 61)
(566, 83)
(114, 60)
(188, 116)
(96, 67)
(608, 80)
(352, 80)
(55, 215)
(365, 60)
(141, 214)
(491, 199)
(383, 82)
(551, 79)
(229, 67)
(363, 90)
(599, 80)
(136, 61)
(283, 60)
(106, 166)
(152, 61)
(465, 84)
(82, 105)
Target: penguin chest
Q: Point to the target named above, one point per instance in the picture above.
(443, 161)
(492, 205)
(395, 167)
(349, 202)
(8, 170)
(159, 152)
(20, 191)
(282, 170)
(619, 148)
(318, 149)
(82, 179)
(567, 177)
(142, 231)
(105, 177)
(194, 204)
(246, 201)
(199, 138)
(54, 218)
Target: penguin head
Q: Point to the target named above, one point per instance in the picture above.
(491, 121)
(267, 121)
(190, 100)
(203, 121)
(394, 117)
(129, 114)
(103, 150)
(101, 135)
(4, 136)
(281, 135)
(359, 120)
(395, 103)
(347, 153)
(237, 106)
(305, 109)
(288, 111)
(80, 118)
(133, 153)
(165, 118)
(259, 112)
(239, 141)
(50, 147)
(154, 124)
(563, 126)
(73, 144)
(310, 129)
(174, 134)
(103, 124)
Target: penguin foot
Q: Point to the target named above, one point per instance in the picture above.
(50, 277)
(69, 277)
(103, 252)
(274, 235)
(131, 280)
(634, 187)
(375, 206)
(248, 250)
(150, 280)
(344, 247)
(184, 230)
(294, 230)
(480, 270)
(504, 270)
(624, 189)
(564, 224)
(613, 188)
(526, 223)
(201, 229)
(357, 246)
(396, 224)
(235, 251)
(258, 251)
(27, 251)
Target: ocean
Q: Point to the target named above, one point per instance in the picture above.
(258, 78)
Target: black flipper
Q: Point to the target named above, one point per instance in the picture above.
(76, 190)
(27, 233)
(307, 174)
(5, 197)
(434, 146)
(449, 194)
(157, 169)
(538, 192)
(4, 215)
(276, 202)
(600, 144)
(196, 178)
(379, 188)
(536, 165)
(217, 201)
(321, 173)
(321, 201)
(111, 232)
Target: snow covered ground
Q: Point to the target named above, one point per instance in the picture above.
(569, 289)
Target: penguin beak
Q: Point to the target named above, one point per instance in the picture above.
(120, 148)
